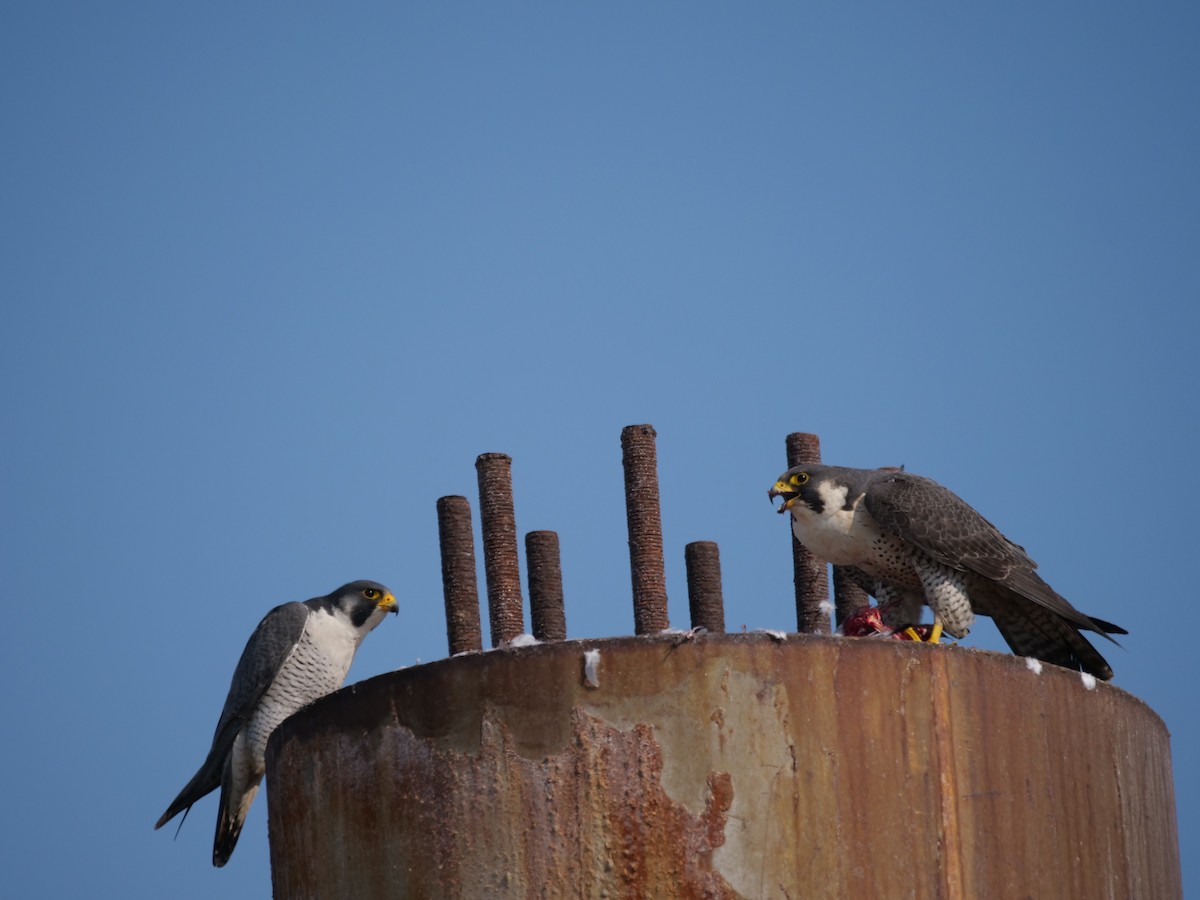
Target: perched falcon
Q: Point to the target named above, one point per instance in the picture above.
(909, 542)
(298, 652)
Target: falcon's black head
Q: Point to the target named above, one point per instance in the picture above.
(360, 600)
(799, 485)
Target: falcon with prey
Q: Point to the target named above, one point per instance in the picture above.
(910, 542)
(298, 653)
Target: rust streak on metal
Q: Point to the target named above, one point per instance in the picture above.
(546, 607)
(951, 837)
(501, 569)
(705, 600)
(459, 584)
(811, 573)
(644, 517)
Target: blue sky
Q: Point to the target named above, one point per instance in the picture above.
(273, 277)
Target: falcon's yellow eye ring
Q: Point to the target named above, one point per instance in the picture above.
(371, 593)
(799, 478)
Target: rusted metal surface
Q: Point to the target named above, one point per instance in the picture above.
(847, 595)
(644, 516)
(705, 600)
(547, 615)
(811, 573)
(498, 521)
(724, 766)
(459, 584)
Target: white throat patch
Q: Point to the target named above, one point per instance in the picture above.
(836, 534)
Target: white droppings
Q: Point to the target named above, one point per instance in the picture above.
(591, 668)
(523, 640)
(1088, 679)
(1033, 665)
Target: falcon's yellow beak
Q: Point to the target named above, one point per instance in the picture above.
(784, 490)
(387, 603)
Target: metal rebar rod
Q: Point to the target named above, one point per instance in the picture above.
(500, 566)
(459, 583)
(811, 573)
(705, 601)
(644, 517)
(546, 613)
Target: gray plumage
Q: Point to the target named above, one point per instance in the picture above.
(298, 653)
(910, 541)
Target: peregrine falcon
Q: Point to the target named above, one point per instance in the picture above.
(909, 541)
(298, 653)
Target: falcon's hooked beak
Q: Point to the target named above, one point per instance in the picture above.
(388, 604)
(784, 490)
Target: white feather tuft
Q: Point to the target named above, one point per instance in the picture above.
(591, 668)
(1034, 665)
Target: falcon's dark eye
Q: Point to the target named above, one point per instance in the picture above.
(799, 478)
(370, 593)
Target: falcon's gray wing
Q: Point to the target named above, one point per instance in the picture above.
(934, 518)
(266, 651)
(924, 513)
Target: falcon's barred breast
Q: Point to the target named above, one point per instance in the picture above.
(298, 653)
(909, 542)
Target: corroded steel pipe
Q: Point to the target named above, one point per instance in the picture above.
(811, 573)
(640, 460)
(499, 524)
(547, 615)
(705, 600)
(459, 584)
(726, 766)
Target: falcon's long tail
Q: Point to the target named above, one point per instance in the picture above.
(1033, 630)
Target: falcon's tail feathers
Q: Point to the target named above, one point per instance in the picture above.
(1037, 632)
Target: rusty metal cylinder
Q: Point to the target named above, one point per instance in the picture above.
(705, 600)
(811, 573)
(498, 521)
(644, 517)
(725, 766)
(459, 584)
(547, 614)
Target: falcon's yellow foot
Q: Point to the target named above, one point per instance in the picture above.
(926, 634)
